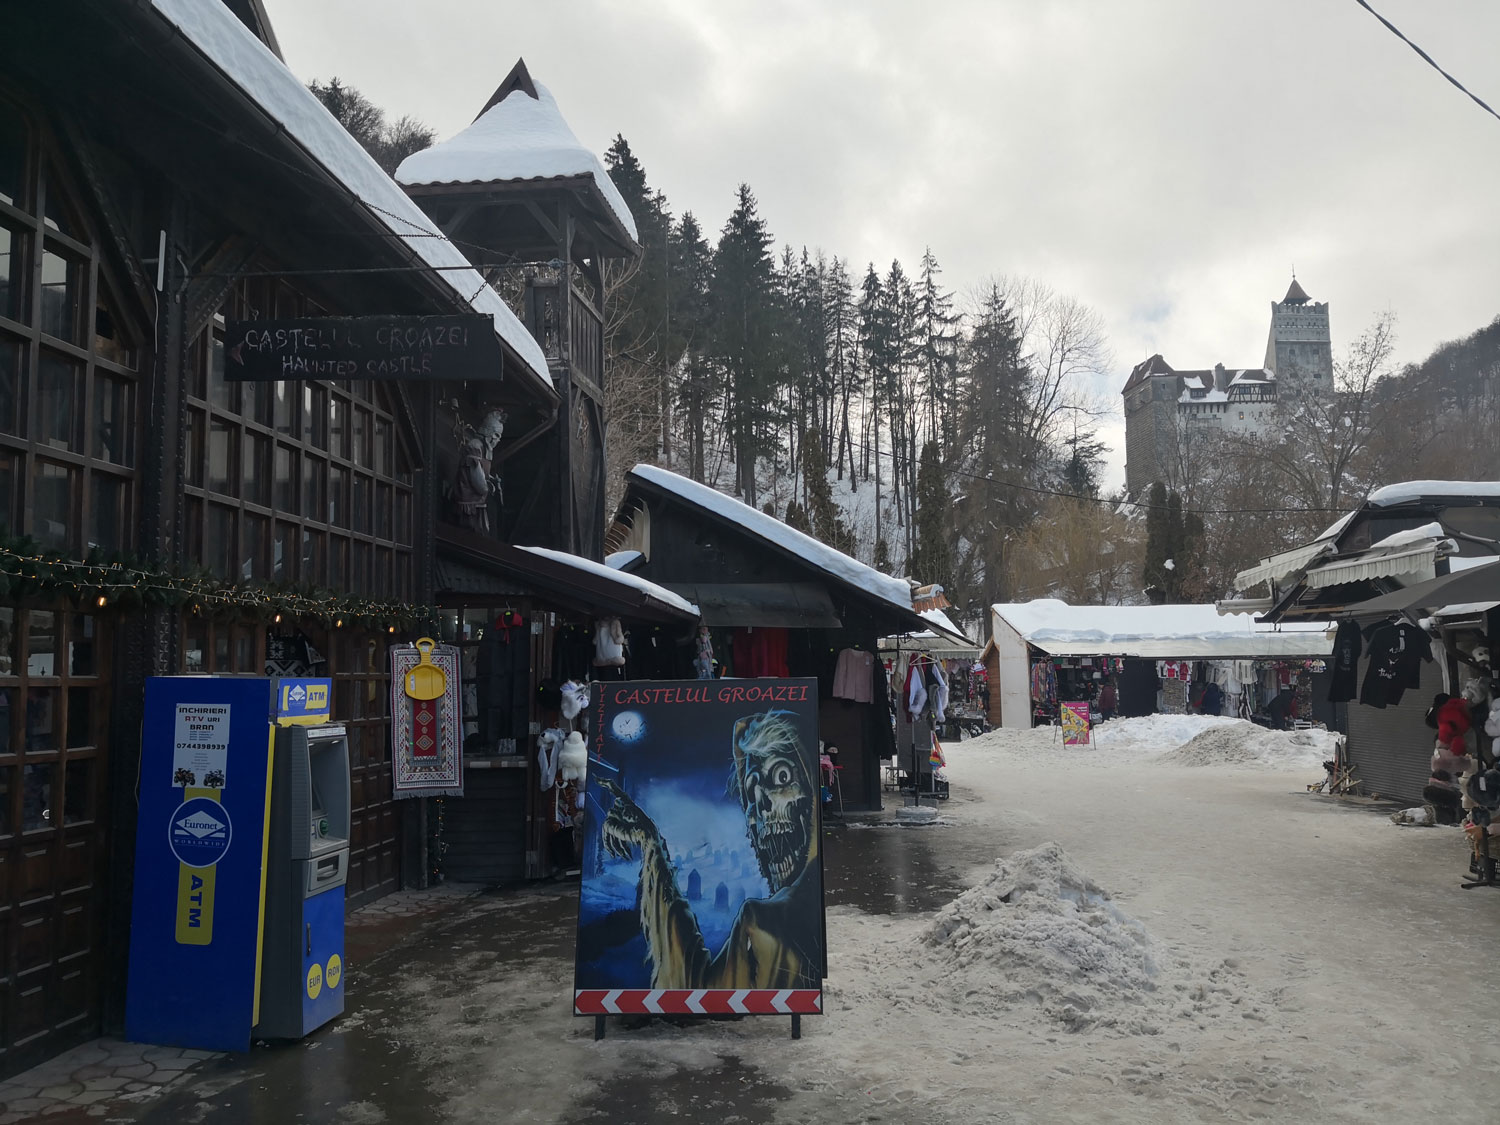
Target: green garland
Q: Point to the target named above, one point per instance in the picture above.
(120, 583)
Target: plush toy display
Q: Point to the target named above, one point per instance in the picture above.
(1450, 714)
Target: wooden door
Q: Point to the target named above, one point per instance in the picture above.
(54, 705)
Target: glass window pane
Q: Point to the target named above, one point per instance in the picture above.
(12, 273)
(338, 563)
(256, 469)
(107, 515)
(260, 396)
(59, 401)
(244, 653)
(194, 651)
(382, 447)
(284, 552)
(383, 511)
(6, 827)
(359, 450)
(359, 581)
(81, 637)
(81, 717)
(78, 791)
(10, 473)
(62, 286)
(42, 717)
(383, 573)
(13, 145)
(113, 421)
(36, 796)
(7, 711)
(221, 651)
(12, 373)
(315, 416)
(311, 567)
(54, 494)
(221, 462)
(41, 642)
(285, 495)
(338, 511)
(338, 414)
(221, 393)
(218, 541)
(252, 555)
(110, 341)
(7, 641)
(57, 213)
(285, 407)
(360, 502)
(195, 446)
(313, 472)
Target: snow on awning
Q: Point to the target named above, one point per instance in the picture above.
(896, 591)
(263, 78)
(518, 138)
(1155, 632)
(623, 578)
(1279, 566)
(1407, 491)
(1418, 563)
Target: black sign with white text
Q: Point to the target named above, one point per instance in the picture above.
(363, 347)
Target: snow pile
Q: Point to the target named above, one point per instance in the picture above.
(1238, 743)
(1150, 735)
(1039, 933)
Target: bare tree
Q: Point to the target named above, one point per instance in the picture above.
(1079, 550)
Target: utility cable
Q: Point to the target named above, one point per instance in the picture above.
(1428, 59)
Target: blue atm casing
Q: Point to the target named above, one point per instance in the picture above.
(200, 862)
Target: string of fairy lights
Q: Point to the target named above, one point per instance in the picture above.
(27, 571)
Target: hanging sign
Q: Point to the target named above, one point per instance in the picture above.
(699, 897)
(418, 348)
(1076, 723)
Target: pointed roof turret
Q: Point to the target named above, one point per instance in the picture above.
(1295, 295)
(520, 136)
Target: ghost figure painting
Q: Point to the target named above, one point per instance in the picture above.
(711, 796)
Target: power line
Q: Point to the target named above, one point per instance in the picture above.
(1137, 504)
(1428, 59)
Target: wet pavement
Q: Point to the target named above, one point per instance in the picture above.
(431, 995)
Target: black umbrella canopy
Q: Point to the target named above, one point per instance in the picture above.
(1478, 584)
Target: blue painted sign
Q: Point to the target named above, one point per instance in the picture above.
(198, 907)
(303, 701)
(199, 832)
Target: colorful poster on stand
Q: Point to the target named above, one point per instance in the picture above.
(702, 885)
(1076, 723)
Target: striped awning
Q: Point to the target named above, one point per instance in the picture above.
(1279, 566)
(1416, 564)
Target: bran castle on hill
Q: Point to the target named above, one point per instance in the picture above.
(1165, 409)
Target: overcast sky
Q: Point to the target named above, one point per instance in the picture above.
(1165, 161)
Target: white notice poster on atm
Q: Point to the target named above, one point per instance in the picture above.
(200, 751)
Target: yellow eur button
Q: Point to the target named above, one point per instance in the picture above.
(314, 981)
(335, 971)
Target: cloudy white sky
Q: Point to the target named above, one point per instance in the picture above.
(1165, 161)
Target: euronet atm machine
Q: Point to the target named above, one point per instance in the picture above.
(307, 865)
(242, 847)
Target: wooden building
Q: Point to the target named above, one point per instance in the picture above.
(162, 174)
(749, 572)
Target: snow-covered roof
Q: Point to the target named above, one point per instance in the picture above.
(896, 591)
(1412, 535)
(520, 137)
(1191, 396)
(622, 560)
(1407, 491)
(600, 570)
(227, 43)
(1154, 631)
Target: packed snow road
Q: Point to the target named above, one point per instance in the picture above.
(1166, 928)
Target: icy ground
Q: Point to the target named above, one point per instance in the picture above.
(1165, 928)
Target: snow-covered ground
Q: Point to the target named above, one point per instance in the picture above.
(1138, 932)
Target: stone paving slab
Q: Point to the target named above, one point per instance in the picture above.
(90, 1078)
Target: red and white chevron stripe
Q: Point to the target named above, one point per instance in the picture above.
(697, 1001)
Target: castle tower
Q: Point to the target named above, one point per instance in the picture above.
(1299, 352)
(1151, 395)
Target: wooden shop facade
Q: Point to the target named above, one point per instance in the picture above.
(164, 177)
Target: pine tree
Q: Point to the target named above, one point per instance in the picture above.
(699, 387)
(824, 521)
(743, 301)
(932, 554)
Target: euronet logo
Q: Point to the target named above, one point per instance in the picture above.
(202, 825)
